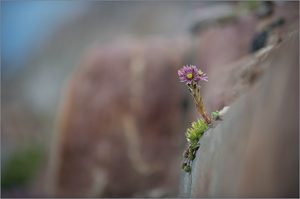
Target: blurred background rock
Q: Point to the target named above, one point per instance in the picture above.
(55, 52)
(42, 43)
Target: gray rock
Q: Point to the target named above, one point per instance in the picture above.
(254, 151)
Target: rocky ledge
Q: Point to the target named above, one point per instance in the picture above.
(254, 151)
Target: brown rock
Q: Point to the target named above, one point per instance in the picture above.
(120, 130)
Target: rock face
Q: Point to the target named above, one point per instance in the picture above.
(119, 129)
(254, 151)
(223, 48)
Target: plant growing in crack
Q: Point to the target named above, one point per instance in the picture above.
(191, 76)
(193, 135)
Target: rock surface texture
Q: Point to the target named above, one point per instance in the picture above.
(254, 152)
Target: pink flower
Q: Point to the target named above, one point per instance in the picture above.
(190, 73)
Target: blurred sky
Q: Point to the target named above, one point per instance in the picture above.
(25, 23)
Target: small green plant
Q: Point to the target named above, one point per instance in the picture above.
(215, 115)
(193, 135)
(20, 167)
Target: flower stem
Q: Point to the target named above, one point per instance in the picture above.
(195, 91)
(201, 110)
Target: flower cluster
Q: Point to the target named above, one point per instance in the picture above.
(189, 73)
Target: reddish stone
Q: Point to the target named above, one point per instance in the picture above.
(121, 129)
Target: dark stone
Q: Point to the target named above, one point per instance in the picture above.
(259, 40)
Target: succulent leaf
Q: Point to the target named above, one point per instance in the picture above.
(194, 133)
